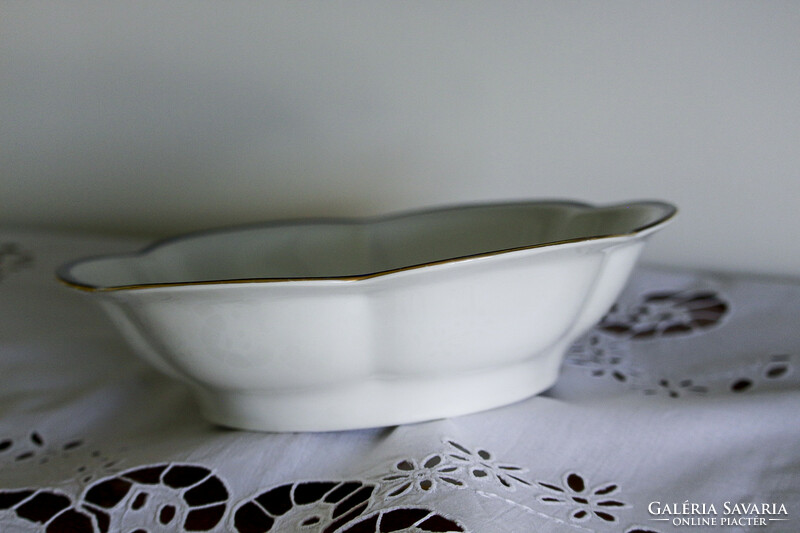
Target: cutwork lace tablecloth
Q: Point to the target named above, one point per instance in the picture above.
(682, 406)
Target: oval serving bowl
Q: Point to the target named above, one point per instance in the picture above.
(317, 325)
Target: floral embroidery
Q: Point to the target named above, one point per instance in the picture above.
(607, 353)
(602, 355)
(467, 468)
(147, 495)
(665, 314)
(304, 506)
(13, 258)
(328, 506)
(481, 465)
(175, 493)
(50, 508)
(584, 502)
(676, 390)
(409, 474)
(776, 368)
(771, 369)
(189, 497)
(32, 448)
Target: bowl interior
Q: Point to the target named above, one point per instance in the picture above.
(352, 248)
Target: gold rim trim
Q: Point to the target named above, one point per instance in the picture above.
(63, 275)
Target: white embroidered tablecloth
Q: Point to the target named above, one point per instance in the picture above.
(679, 412)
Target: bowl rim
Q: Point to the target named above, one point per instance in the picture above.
(64, 275)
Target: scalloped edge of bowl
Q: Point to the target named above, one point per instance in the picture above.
(64, 272)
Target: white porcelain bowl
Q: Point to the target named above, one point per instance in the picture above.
(340, 324)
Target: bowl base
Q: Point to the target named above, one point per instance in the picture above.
(381, 402)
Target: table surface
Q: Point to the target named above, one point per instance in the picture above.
(681, 407)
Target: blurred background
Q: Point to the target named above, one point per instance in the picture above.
(151, 118)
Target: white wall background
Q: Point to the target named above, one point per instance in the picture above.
(154, 118)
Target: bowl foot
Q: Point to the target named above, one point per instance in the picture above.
(379, 402)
